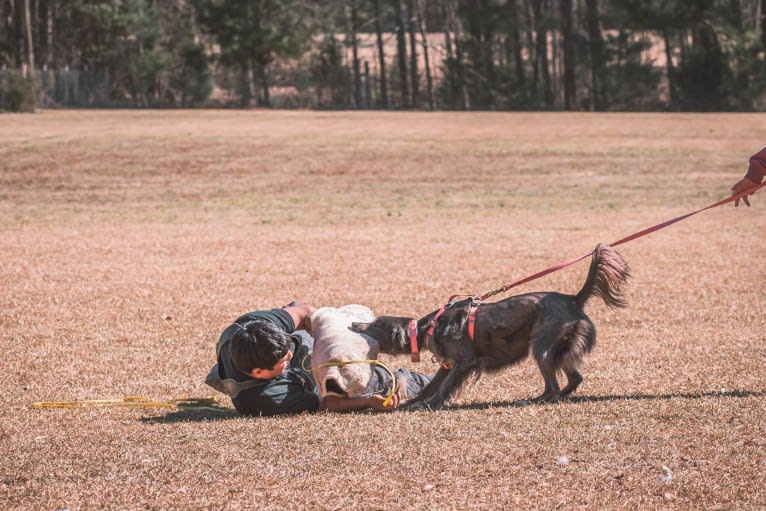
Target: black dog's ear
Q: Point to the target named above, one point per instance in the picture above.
(456, 324)
(398, 339)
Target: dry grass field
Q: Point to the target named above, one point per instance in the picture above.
(130, 239)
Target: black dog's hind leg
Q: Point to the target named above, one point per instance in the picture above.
(545, 356)
(574, 379)
(552, 391)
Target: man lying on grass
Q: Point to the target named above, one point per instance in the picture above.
(261, 360)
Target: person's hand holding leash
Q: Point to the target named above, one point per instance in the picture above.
(742, 185)
(755, 174)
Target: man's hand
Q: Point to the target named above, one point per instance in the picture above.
(742, 185)
(379, 403)
(344, 404)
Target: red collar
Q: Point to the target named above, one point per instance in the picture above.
(432, 325)
(412, 333)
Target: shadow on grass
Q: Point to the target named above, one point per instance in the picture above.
(611, 397)
(212, 413)
(208, 413)
(219, 413)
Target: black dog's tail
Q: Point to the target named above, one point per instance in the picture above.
(607, 275)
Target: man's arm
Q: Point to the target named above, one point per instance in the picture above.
(301, 315)
(757, 169)
(755, 174)
(345, 404)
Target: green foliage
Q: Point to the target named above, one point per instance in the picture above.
(194, 80)
(745, 86)
(630, 83)
(329, 73)
(144, 44)
(449, 87)
(18, 93)
(170, 52)
(250, 35)
(702, 73)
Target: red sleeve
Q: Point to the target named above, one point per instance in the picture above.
(757, 169)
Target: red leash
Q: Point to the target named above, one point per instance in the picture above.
(626, 239)
(476, 301)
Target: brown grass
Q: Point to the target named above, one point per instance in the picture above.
(129, 240)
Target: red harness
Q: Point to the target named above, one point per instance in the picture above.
(475, 302)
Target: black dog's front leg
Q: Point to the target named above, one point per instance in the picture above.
(430, 388)
(454, 379)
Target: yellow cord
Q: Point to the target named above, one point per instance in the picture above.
(342, 363)
(195, 403)
(179, 403)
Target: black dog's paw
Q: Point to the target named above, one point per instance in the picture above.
(419, 405)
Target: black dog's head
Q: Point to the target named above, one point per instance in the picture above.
(450, 332)
(389, 331)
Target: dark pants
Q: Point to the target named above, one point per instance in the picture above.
(380, 383)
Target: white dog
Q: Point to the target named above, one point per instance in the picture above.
(334, 341)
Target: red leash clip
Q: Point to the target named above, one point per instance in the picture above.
(475, 302)
(412, 333)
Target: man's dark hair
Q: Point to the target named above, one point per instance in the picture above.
(258, 344)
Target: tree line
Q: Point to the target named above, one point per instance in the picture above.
(678, 55)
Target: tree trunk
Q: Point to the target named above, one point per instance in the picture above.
(423, 34)
(367, 89)
(763, 22)
(245, 92)
(415, 80)
(47, 26)
(570, 99)
(478, 47)
(669, 71)
(29, 54)
(449, 73)
(735, 14)
(16, 32)
(597, 65)
(515, 36)
(487, 52)
(52, 27)
(265, 85)
(542, 53)
(466, 100)
(401, 46)
(532, 48)
(381, 56)
(355, 55)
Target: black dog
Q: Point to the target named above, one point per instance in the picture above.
(553, 326)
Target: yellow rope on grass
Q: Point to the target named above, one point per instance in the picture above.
(179, 403)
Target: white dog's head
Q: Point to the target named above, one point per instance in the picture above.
(333, 341)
